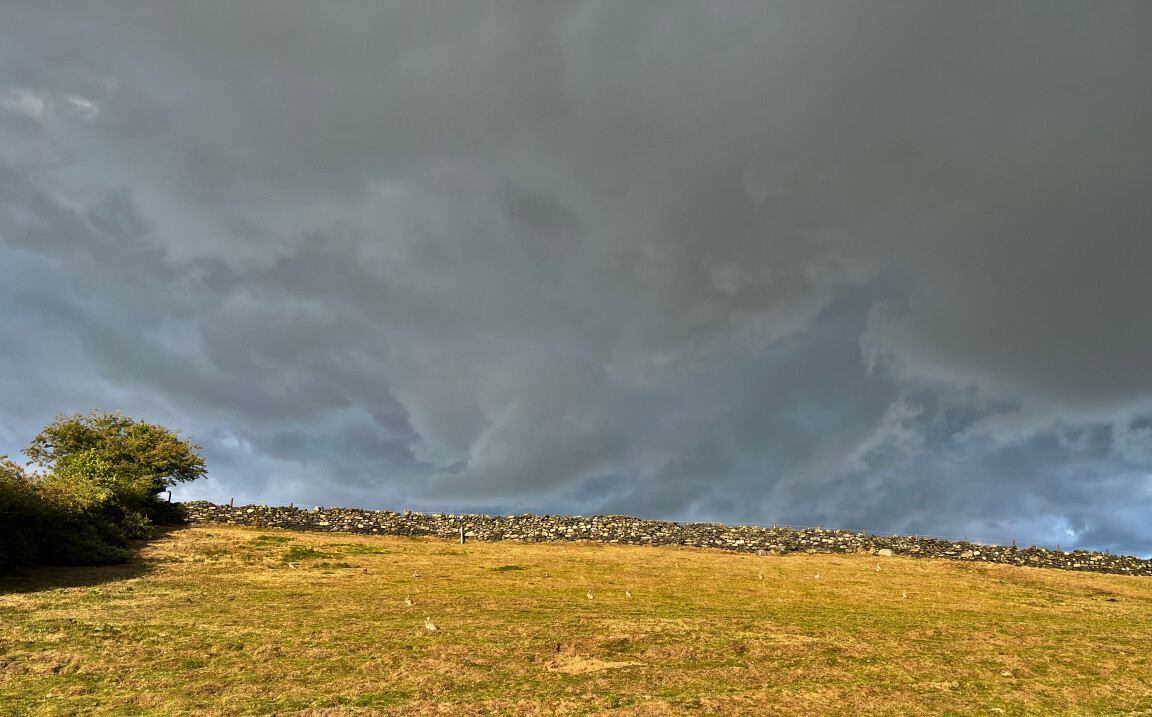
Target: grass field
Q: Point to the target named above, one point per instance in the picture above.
(220, 621)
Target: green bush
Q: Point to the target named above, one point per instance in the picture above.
(45, 520)
(137, 526)
(81, 539)
(101, 488)
(21, 515)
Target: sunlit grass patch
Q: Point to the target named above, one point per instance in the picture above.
(327, 565)
(253, 633)
(264, 540)
(358, 549)
(299, 553)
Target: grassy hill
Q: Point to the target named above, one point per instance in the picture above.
(221, 621)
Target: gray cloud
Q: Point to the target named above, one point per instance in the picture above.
(876, 267)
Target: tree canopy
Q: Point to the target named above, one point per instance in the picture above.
(133, 457)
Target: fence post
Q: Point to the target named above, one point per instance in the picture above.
(461, 534)
(231, 502)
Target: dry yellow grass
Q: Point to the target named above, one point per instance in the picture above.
(220, 621)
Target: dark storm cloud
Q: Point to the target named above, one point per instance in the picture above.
(876, 266)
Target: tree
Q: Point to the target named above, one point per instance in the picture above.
(133, 460)
(104, 474)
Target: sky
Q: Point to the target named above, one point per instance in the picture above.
(875, 265)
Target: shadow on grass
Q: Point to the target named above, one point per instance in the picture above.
(50, 577)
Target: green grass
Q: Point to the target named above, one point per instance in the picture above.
(358, 549)
(265, 540)
(245, 633)
(298, 553)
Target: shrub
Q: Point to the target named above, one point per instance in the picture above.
(21, 514)
(105, 473)
(47, 520)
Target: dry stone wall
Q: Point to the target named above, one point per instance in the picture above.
(633, 531)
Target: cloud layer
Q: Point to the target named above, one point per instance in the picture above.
(880, 267)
